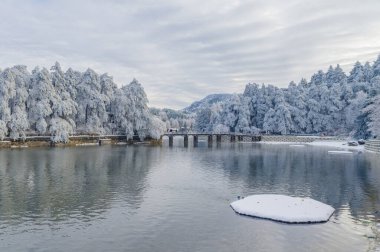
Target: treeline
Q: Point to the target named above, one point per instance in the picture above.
(61, 103)
(330, 103)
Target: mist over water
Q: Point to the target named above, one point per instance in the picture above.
(142, 198)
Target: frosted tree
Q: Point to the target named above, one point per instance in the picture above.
(252, 93)
(318, 78)
(121, 113)
(220, 128)
(357, 73)
(42, 97)
(72, 79)
(174, 123)
(368, 72)
(7, 93)
(130, 110)
(269, 124)
(107, 89)
(19, 123)
(374, 116)
(314, 117)
(139, 108)
(64, 108)
(243, 122)
(262, 108)
(354, 110)
(330, 77)
(376, 67)
(279, 119)
(91, 104)
(202, 120)
(296, 98)
(333, 107)
(230, 113)
(156, 127)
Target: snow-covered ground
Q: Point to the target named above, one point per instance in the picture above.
(283, 208)
(337, 144)
(343, 145)
(286, 143)
(340, 152)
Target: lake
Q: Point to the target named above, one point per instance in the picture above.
(145, 198)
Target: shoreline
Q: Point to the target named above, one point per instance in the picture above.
(83, 141)
(343, 145)
(87, 140)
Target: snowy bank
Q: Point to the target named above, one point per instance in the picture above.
(337, 144)
(340, 152)
(283, 208)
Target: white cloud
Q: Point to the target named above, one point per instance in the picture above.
(183, 50)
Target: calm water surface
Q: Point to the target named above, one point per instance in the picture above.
(141, 198)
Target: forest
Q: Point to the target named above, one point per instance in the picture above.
(59, 104)
(331, 103)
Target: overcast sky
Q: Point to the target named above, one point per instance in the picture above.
(183, 50)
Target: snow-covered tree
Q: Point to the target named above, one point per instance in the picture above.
(19, 123)
(354, 110)
(130, 110)
(42, 97)
(7, 93)
(91, 106)
(376, 67)
(139, 108)
(374, 115)
(64, 108)
(156, 127)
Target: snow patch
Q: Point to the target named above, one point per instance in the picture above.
(280, 143)
(87, 144)
(340, 152)
(19, 146)
(283, 208)
(337, 144)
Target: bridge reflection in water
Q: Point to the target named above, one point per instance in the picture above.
(219, 138)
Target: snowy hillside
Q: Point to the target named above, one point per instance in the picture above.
(206, 102)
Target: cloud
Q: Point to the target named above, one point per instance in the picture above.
(183, 50)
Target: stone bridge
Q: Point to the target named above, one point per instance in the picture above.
(226, 137)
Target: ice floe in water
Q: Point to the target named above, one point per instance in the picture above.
(297, 145)
(340, 152)
(283, 208)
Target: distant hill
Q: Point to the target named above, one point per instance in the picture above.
(205, 102)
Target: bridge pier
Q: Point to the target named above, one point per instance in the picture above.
(218, 138)
(171, 141)
(233, 138)
(209, 140)
(195, 141)
(186, 141)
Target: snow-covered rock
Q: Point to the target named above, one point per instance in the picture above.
(283, 208)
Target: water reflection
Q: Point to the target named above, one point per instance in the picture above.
(336, 180)
(58, 184)
(140, 198)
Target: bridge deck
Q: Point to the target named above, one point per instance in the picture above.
(209, 134)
